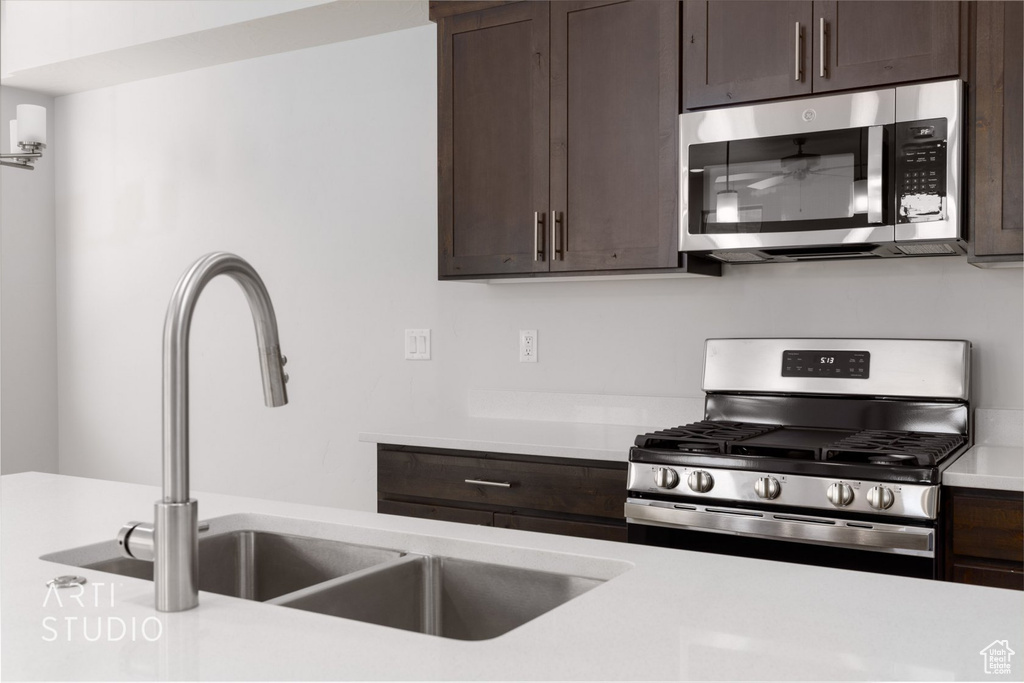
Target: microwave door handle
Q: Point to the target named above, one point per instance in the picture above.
(875, 150)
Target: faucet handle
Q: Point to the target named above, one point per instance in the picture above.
(135, 540)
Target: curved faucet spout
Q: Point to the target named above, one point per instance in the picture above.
(175, 378)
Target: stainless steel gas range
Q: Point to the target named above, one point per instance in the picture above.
(818, 451)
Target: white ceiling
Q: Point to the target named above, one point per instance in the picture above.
(64, 46)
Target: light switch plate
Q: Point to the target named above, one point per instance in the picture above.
(417, 344)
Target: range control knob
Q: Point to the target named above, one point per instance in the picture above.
(840, 495)
(767, 488)
(666, 478)
(881, 497)
(700, 481)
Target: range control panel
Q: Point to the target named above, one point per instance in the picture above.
(921, 171)
(845, 364)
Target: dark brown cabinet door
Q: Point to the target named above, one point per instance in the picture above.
(546, 525)
(429, 511)
(868, 44)
(574, 498)
(493, 139)
(984, 537)
(614, 139)
(745, 51)
(997, 141)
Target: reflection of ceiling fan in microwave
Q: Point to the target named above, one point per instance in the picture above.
(797, 166)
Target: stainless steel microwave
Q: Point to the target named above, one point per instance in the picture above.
(866, 174)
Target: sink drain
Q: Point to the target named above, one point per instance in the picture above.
(66, 581)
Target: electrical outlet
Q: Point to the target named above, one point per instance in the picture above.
(417, 344)
(527, 346)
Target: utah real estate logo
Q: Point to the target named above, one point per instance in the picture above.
(997, 657)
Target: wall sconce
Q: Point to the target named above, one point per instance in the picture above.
(28, 134)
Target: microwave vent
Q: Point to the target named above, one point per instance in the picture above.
(926, 249)
(739, 257)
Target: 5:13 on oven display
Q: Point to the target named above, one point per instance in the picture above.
(834, 364)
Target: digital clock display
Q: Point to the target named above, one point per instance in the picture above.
(835, 364)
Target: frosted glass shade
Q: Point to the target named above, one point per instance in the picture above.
(727, 209)
(32, 123)
(14, 136)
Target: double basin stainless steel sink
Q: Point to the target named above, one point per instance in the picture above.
(442, 596)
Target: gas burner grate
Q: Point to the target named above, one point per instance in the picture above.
(708, 436)
(894, 448)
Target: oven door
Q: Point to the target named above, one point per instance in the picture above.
(897, 549)
(780, 181)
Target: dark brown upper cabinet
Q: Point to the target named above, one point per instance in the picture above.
(558, 139)
(745, 51)
(996, 139)
(614, 135)
(757, 50)
(493, 139)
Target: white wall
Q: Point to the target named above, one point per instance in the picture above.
(319, 166)
(67, 46)
(28, 320)
(40, 33)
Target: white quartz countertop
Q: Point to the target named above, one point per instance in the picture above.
(668, 615)
(519, 437)
(988, 467)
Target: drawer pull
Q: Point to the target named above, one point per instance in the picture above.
(484, 482)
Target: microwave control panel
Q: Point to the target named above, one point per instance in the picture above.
(921, 171)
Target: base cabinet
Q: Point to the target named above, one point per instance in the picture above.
(581, 498)
(985, 537)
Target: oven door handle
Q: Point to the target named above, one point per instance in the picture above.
(876, 149)
(908, 540)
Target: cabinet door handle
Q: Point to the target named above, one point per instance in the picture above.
(557, 248)
(484, 482)
(822, 52)
(538, 235)
(797, 71)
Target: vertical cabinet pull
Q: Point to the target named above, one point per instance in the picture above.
(557, 243)
(822, 52)
(538, 235)
(797, 71)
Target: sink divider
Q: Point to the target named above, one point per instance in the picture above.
(308, 591)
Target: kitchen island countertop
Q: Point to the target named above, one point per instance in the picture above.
(669, 615)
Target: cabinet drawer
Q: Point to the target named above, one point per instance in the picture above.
(978, 574)
(441, 512)
(594, 491)
(545, 525)
(988, 527)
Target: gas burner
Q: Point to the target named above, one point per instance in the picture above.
(707, 436)
(894, 448)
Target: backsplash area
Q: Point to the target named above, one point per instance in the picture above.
(583, 408)
(339, 216)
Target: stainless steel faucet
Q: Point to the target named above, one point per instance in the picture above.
(172, 542)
